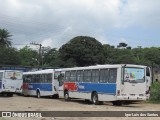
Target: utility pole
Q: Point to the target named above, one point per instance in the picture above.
(44, 50)
(152, 73)
(40, 51)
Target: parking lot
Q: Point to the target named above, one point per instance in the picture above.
(21, 103)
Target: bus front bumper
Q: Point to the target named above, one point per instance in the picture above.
(8, 90)
(132, 98)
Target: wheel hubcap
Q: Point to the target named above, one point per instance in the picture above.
(38, 95)
(94, 99)
(66, 96)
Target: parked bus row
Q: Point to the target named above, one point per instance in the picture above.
(115, 83)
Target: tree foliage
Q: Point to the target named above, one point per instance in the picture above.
(82, 51)
(79, 51)
(5, 40)
(52, 58)
(29, 57)
(155, 92)
(9, 56)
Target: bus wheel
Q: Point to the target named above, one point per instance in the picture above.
(66, 96)
(38, 94)
(95, 98)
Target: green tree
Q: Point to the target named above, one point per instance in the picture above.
(52, 58)
(155, 93)
(109, 52)
(118, 56)
(140, 58)
(82, 51)
(123, 56)
(29, 56)
(9, 56)
(5, 40)
(153, 55)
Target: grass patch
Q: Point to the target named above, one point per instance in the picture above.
(155, 93)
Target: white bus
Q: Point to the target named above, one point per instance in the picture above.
(115, 83)
(41, 83)
(10, 81)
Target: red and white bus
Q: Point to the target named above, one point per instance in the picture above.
(115, 83)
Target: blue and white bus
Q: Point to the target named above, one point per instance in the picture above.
(10, 82)
(115, 83)
(41, 83)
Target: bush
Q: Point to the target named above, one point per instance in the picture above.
(155, 92)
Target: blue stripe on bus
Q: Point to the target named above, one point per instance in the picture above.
(100, 88)
(41, 86)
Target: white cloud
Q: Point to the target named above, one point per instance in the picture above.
(54, 22)
(144, 13)
(47, 42)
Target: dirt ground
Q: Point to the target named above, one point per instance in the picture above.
(21, 103)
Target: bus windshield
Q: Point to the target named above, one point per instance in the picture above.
(13, 75)
(134, 75)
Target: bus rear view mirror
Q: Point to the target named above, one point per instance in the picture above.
(148, 71)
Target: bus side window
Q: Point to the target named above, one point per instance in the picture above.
(1, 75)
(42, 78)
(28, 78)
(67, 76)
(80, 75)
(32, 78)
(112, 75)
(37, 78)
(49, 78)
(95, 75)
(104, 75)
(148, 72)
(87, 76)
(45, 78)
(73, 76)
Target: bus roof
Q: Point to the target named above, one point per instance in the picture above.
(101, 66)
(10, 70)
(40, 71)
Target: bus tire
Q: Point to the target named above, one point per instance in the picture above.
(95, 98)
(66, 96)
(38, 94)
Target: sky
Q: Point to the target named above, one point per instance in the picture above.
(54, 22)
